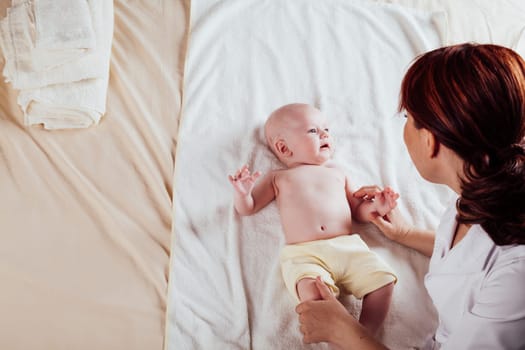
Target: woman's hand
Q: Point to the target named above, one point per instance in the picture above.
(368, 192)
(327, 320)
(392, 224)
(323, 320)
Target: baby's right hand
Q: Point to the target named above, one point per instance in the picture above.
(388, 219)
(243, 181)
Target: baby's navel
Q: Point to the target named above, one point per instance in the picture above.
(323, 228)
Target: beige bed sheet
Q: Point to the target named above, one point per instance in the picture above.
(85, 215)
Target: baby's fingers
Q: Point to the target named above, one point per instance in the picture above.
(233, 179)
(240, 173)
(245, 173)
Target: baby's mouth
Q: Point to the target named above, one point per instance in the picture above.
(325, 146)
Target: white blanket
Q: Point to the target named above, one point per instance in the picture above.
(57, 54)
(246, 58)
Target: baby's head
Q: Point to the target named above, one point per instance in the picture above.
(298, 134)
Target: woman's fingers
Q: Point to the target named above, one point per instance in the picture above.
(382, 224)
(368, 192)
(325, 292)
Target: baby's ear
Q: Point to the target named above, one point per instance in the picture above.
(282, 149)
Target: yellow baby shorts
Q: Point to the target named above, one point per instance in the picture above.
(343, 262)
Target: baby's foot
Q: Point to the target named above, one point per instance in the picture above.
(385, 201)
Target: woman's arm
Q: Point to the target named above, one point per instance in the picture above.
(395, 227)
(327, 320)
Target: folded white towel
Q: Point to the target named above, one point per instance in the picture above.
(65, 106)
(57, 53)
(63, 31)
(63, 24)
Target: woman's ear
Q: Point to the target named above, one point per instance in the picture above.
(282, 149)
(431, 144)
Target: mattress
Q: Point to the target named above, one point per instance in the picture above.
(123, 235)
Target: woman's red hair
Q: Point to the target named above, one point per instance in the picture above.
(472, 99)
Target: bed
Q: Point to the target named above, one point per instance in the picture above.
(122, 235)
(347, 57)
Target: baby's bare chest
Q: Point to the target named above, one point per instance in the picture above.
(316, 181)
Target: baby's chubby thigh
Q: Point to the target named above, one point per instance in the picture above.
(300, 268)
(306, 289)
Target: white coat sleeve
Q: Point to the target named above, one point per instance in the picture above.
(496, 319)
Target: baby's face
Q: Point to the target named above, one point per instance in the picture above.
(308, 138)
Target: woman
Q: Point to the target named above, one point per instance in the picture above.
(465, 128)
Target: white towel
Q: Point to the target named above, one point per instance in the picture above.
(57, 54)
(63, 31)
(246, 58)
(62, 24)
(519, 47)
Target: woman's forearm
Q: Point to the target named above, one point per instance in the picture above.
(396, 228)
(353, 335)
(418, 239)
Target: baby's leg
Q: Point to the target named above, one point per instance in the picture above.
(307, 290)
(375, 307)
(385, 201)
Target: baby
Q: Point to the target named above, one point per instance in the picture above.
(316, 207)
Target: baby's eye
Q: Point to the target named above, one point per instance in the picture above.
(312, 131)
(405, 115)
(327, 130)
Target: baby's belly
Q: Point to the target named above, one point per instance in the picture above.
(313, 215)
(298, 230)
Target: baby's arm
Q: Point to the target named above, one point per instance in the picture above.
(248, 198)
(365, 210)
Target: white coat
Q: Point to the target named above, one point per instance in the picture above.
(478, 289)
